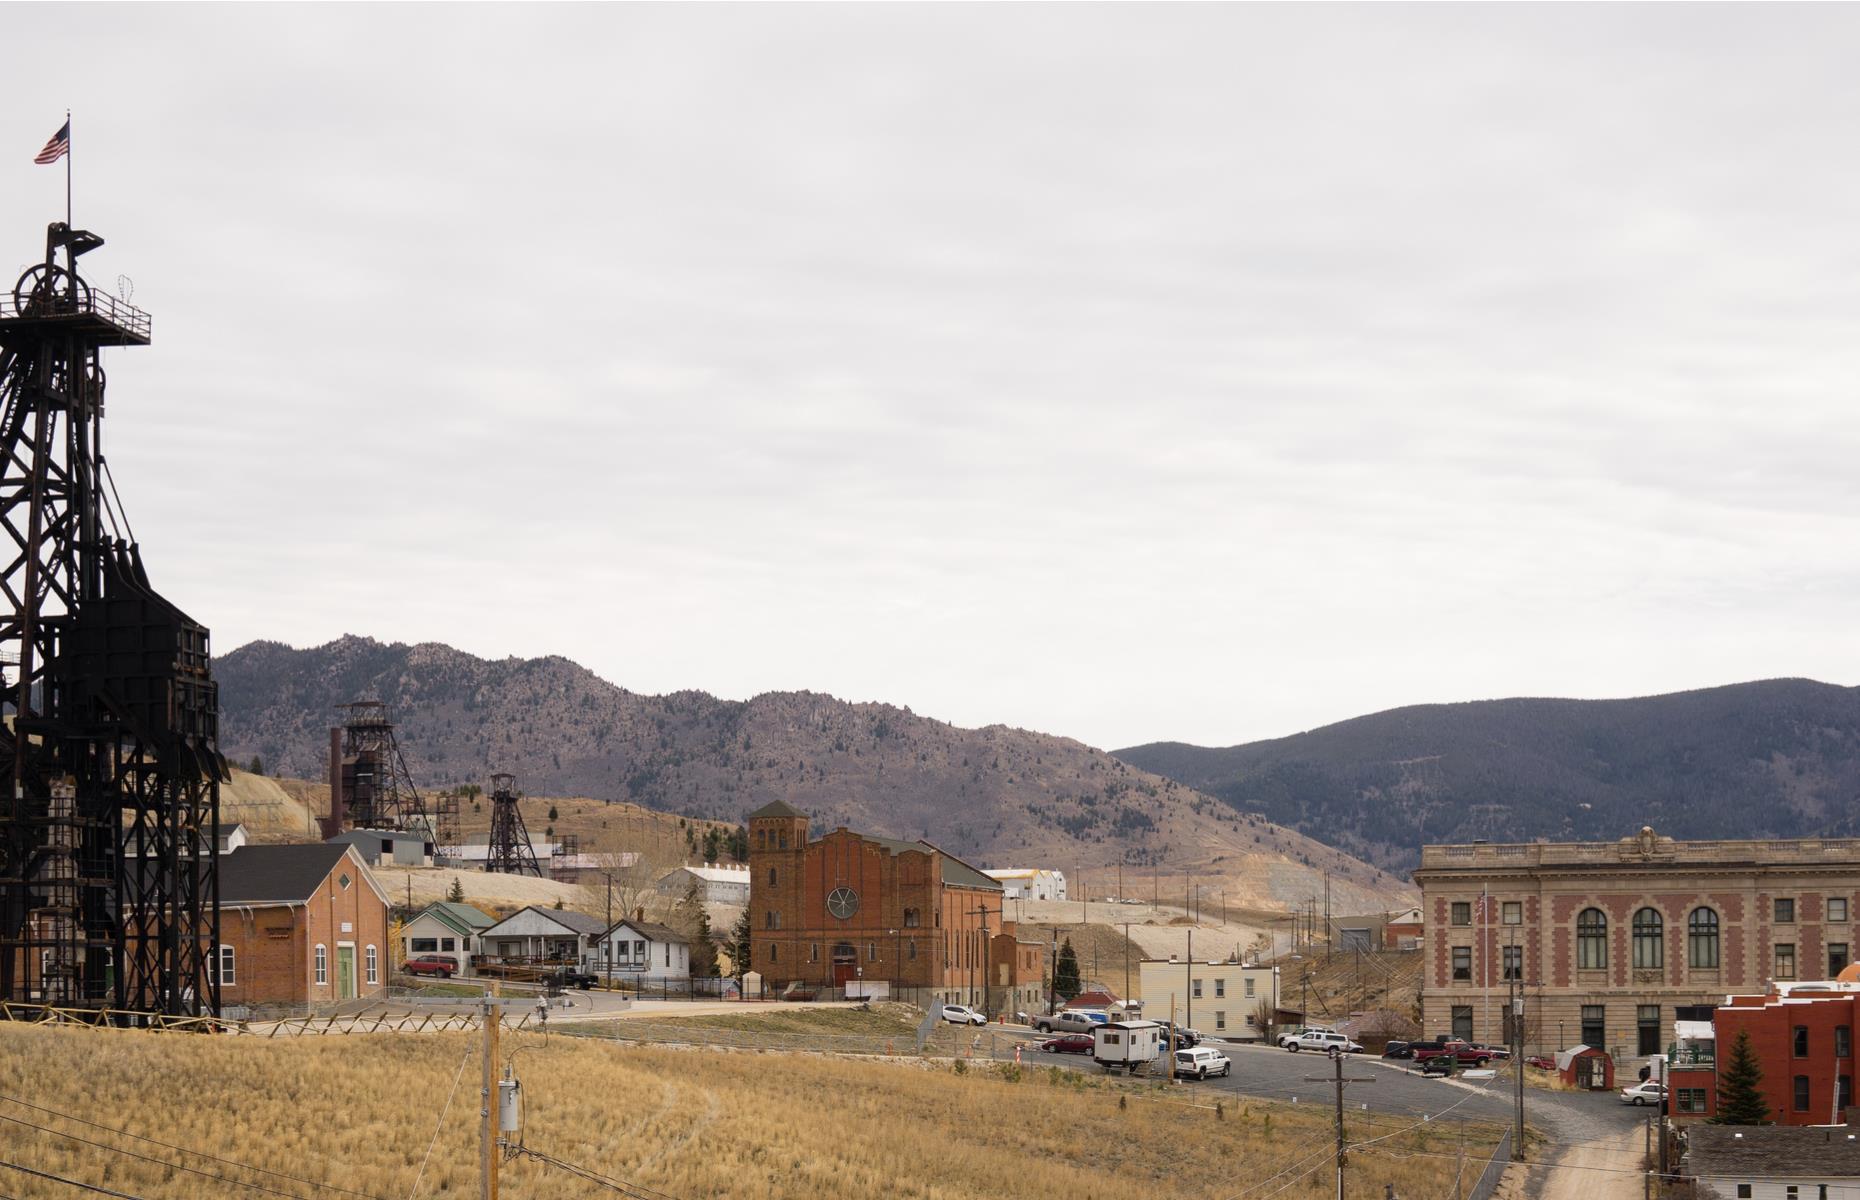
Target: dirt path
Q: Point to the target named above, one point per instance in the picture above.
(1606, 1168)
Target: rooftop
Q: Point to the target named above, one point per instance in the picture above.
(1735, 1152)
(277, 874)
(1646, 848)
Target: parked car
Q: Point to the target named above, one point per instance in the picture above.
(1398, 1050)
(1068, 1043)
(569, 977)
(962, 1014)
(1068, 1020)
(1312, 1040)
(1286, 1038)
(430, 964)
(1540, 1062)
(1646, 1092)
(1438, 1064)
(1202, 1062)
(1495, 1053)
(1185, 1038)
(1467, 1054)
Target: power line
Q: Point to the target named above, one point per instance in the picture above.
(638, 1191)
(76, 1183)
(231, 1162)
(440, 1124)
(160, 1162)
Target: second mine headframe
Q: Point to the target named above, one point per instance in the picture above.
(371, 788)
(109, 759)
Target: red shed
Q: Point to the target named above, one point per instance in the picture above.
(1586, 1067)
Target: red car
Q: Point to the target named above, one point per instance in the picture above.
(1071, 1043)
(431, 964)
(1540, 1062)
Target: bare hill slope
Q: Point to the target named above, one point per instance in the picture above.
(995, 795)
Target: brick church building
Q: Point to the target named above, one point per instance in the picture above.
(850, 908)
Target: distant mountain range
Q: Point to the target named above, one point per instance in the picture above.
(1778, 758)
(998, 796)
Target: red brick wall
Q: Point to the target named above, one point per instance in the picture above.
(1772, 1036)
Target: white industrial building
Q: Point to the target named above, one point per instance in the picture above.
(1030, 883)
(716, 883)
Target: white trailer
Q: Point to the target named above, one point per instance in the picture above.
(1131, 1045)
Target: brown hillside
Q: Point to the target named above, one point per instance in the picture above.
(996, 795)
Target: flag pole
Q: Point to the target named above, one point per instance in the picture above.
(67, 168)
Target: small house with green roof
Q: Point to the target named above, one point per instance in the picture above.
(446, 929)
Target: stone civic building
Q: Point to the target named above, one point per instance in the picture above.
(1611, 942)
(848, 908)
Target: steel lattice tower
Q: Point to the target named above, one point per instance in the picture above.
(109, 761)
(510, 850)
(371, 788)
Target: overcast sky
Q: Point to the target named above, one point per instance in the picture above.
(1200, 373)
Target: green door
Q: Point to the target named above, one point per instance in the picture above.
(345, 972)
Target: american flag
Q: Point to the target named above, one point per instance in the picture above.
(58, 147)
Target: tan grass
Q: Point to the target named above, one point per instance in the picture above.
(357, 1112)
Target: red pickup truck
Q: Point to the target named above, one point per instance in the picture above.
(1465, 1054)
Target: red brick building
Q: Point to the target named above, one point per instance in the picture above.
(1803, 1039)
(848, 908)
(1612, 942)
(300, 925)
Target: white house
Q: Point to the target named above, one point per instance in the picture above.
(445, 929)
(1029, 883)
(1228, 1000)
(533, 934)
(717, 883)
(1773, 1162)
(639, 951)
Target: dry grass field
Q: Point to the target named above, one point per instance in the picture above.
(358, 1113)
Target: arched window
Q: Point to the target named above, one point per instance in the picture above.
(1702, 939)
(374, 966)
(1591, 940)
(322, 964)
(1649, 940)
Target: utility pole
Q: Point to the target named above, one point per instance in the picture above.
(1126, 960)
(607, 939)
(1327, 930)
(1517, 1062)
(1339, 1078)
(1189, 991)
(487, 1105)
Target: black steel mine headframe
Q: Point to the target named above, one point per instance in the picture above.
(371, 788)
(109, 760)
(510, 850)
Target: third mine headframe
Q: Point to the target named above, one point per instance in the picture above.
(109, 760)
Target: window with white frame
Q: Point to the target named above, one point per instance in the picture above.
(1249, 988)
(227, 974)
(322, 963)
(372, 961)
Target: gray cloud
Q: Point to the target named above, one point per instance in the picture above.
(1202, 372)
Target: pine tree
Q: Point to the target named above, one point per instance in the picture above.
(457, 892)
(739, 945)
(1740, 1099)
(258, 765)
(703, 949)
(1066, 973)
